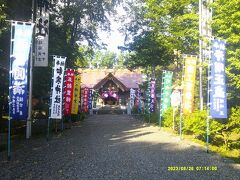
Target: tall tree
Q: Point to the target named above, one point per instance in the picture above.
(78, 21)
(226, 15)
(149, 51)
(177, 21)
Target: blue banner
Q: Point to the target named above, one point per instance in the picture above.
(18, 94)
(218, 98)
(90, 94)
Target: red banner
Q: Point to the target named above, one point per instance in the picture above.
(68, 91)
(85, 100)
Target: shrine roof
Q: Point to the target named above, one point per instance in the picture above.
(91, 77)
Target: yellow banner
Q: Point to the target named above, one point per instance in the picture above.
(76, 94)
(189, 83)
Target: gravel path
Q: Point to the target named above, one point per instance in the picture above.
(114, 147)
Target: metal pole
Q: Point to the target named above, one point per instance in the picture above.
(50, 102)
(200, 55)
(29, 122)
(160, 113)
(48, 126)
(208, 105)
(173, 118)
(181, 102)
(10, 100)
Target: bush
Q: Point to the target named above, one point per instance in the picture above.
(167, 118)
(227, 129)
(152, 118)
(195, 123)
(135, 110)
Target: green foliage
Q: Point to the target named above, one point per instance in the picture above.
(226, 26)
(221, 134)
(76, 22)
(177, 21)
(2, 17)
(135, 110)
(234, 120)
(78, 117)
(149, 50)
(152, 118)
(167, 119)
(195, 123)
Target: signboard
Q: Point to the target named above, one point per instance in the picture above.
(42, 36)
(76, 94)
(58, 74)
(218, 98)
(175, 98)
(188, 84)
(68, 91)
(152, 95)
(19, 55)
(166, 91)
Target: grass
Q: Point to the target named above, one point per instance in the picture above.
(233, 154)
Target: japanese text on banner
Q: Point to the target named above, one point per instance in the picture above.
(85, 99)
(188, 84)
(42, 36)
(68, 91)
(58, 74)
(218, 98)
(152, 95)
(166, 91)
(22, 38)
(76, 94)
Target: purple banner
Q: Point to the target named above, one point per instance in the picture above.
(218, 98)
(152, 95)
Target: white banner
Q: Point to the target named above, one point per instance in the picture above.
(42, 35)
(58, 74)
(132, 97)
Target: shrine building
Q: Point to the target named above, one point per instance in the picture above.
(112, 85)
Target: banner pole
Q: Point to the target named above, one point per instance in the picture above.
(50, 102)
(48, 125)
(160, 112)
(181, 103)
(10, 100)
(208, 103)
(29, 122)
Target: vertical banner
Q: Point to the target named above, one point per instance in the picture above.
(68, 91)
(189, 83)
(76, 94)
(19, 56)
(85, 100)
(58, 75)
(147, 98)
(42, 36)
(90, 95)
(218, 98)
(138, 100)
(152, 95)
(132, 97)
(166, 91)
